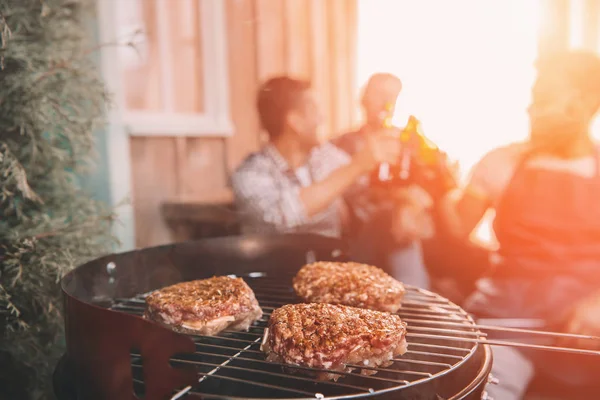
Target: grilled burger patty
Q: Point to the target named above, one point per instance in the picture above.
(331, 337)
(351, 284)
(204, 307)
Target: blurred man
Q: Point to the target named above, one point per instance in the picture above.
(377, 241)
(378, 102)
(295, 183)
(546, 194)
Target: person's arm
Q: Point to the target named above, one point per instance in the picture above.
(318, 196)
(462, 210)
(260, 200)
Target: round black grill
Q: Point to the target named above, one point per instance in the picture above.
(445, 358)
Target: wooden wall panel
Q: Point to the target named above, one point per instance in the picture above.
(339, 107)
(154, 181)
(186, 62)
(312, 39)
(205, 167)
(320, 71)
(270, 38)
(243, 78)
(298, 54)
(351, 66)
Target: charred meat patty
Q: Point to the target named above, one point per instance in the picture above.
(204, 307)
(333, 337)
(351, 284)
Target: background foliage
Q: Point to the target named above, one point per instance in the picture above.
(51, 100)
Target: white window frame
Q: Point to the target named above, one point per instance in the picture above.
(215, 120)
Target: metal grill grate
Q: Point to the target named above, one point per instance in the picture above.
(440, 335)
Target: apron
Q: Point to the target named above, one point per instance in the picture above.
(548, 227)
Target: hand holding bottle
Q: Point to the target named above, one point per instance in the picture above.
(381, 147)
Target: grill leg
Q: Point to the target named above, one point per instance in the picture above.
(514, 372)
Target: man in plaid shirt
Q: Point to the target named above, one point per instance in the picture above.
(295, 183)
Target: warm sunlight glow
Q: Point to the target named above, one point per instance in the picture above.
(467, 67)
(576, 16)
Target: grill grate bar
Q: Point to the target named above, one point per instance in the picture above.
(501, 329)
(224, 338)
(427, 305)
(441, 355)
(441, 323)
(509, 344)
(265, 385)
(395, 371)
(424, 297)
(315, 370)
(252, 334)
(430, 363)
(263, 372)
(534, 332)
(247, 349)
(441, 347)
(200, 344)
(454, 331)
(426, 311)
(224, 364)
(232, 339)
(312, 369)
(404, 359)
(402, 314)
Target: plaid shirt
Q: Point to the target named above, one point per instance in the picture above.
(267, 192)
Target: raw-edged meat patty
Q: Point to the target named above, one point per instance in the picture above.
(204, 307)
(350, 284)
(333, 337)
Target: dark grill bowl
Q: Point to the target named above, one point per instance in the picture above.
(114, 353)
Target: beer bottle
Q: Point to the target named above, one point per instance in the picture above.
(407, 137)
(430, 164)
(421, 162)
(386, 175)
(384, 172)
(427, 150)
